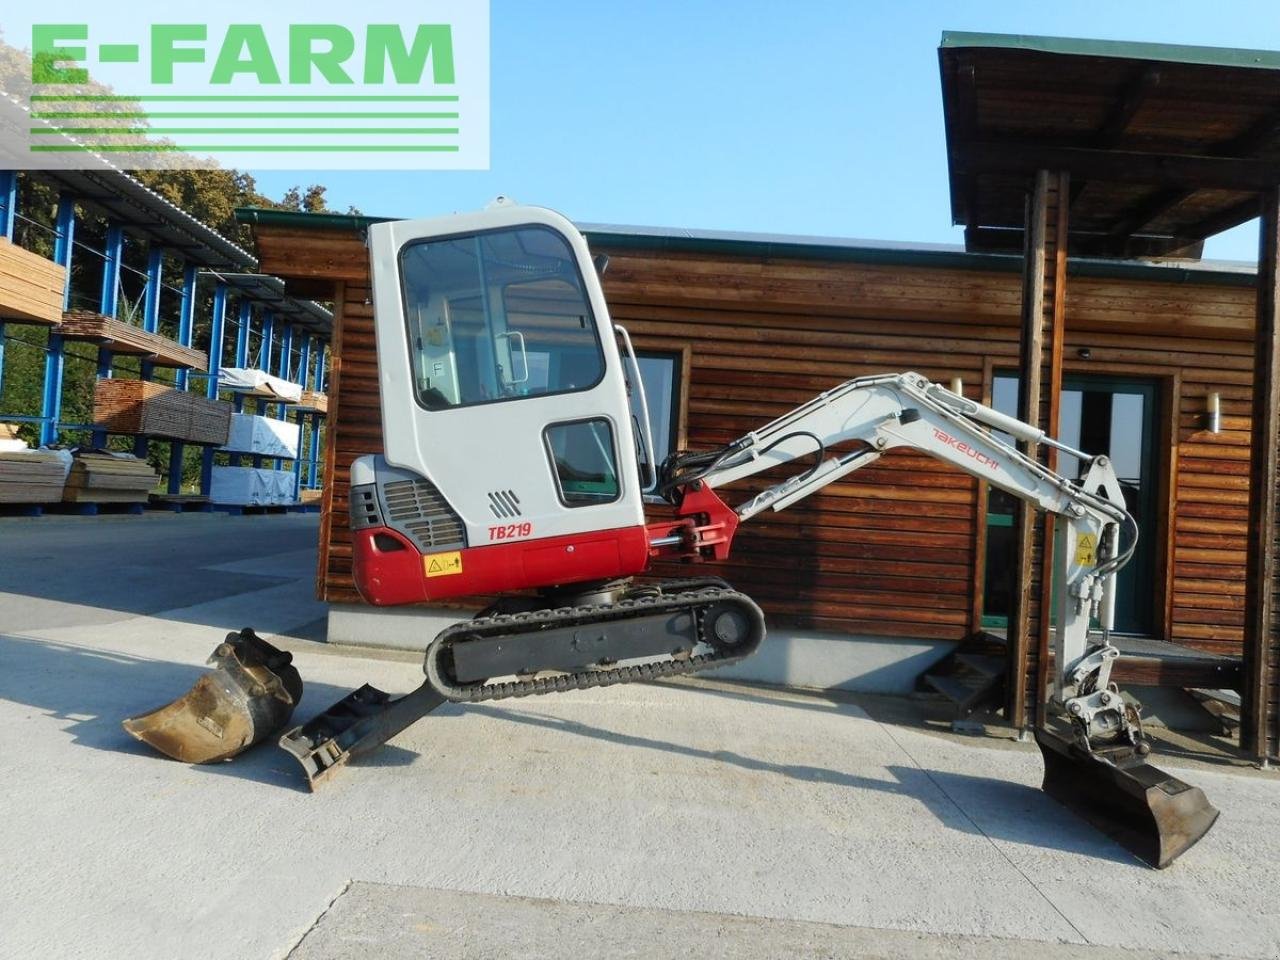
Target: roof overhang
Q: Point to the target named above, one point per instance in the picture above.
(1165, 145)
(270, 293)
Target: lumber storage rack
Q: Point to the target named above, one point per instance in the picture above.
(127, 309)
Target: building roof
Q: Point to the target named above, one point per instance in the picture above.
(1165, 145)
(801, 247)
(270, 292)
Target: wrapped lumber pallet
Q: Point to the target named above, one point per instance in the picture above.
(252, 486)
(257, 383)
(153, 409)
(264, 436)
(9, 441)
(31, 476)
(100, 477)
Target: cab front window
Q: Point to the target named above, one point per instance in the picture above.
(500, 315)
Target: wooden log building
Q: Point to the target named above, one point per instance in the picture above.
(1087, 176)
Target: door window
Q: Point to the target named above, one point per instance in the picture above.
(495, 316)
(584, 462)
(660, 373)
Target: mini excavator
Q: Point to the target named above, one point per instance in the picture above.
(518, 453)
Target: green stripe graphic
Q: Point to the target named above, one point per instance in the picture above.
(244, 148)
(242, 98)
(143, 131)
(297, 115)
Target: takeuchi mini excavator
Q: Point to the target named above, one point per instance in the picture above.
(518, 454)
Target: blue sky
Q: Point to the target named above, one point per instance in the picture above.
(811, 117)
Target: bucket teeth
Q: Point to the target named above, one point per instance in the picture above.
(1151, 813)
(248, 695)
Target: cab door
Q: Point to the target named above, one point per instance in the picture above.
(500, 376)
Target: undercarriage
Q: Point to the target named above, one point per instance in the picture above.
(596, 635)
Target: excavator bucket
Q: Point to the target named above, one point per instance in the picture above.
(248, 695)
(1153, 814)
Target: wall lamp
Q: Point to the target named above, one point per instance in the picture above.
(1213, 415)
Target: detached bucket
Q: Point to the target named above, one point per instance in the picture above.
(1156, 816)
(250, 694)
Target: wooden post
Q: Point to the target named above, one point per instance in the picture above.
(1258, 709)
(1059, 210)
(1030, 358)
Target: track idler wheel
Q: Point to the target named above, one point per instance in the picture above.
(248, 695)
(725, 625)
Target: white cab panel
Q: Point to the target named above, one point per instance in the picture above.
(492, 328)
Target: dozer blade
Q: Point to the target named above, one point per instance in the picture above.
(1153, 814)
(250, 694)
(362, 720)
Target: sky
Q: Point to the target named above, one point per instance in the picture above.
(804, 117)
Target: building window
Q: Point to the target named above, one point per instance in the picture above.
(663, 377)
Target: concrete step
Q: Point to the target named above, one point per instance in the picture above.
(965, 695)
(990, 667)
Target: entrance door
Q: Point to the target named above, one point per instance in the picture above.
(1115, 416)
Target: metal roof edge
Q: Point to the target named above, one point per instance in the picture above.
(1122, 49)
(299, 218)
(943, 256)
(885, 252)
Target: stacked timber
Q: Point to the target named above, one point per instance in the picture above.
(100, 477)
(314, 401)
(152, 409)
(120, 337)
(31, 476)
(30, 286)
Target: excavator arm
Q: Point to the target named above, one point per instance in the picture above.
(1098, 769)
(855, 424)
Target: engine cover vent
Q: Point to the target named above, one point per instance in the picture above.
(419, 510)
(504, 504)
(364, 509)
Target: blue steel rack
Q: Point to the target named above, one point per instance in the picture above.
(132, 212)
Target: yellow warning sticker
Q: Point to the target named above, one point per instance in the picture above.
(1086, 549)
(442, 564)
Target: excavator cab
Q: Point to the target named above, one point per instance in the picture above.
(510, 452)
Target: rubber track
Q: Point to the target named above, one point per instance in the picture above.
(701, 594)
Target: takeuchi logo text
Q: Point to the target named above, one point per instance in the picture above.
(961, 447)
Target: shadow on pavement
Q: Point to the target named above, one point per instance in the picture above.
(92, 691)
(985, 806)
(99, 569)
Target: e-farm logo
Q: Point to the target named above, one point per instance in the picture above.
(377, 92)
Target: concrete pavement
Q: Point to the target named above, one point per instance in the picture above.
(765, 806)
